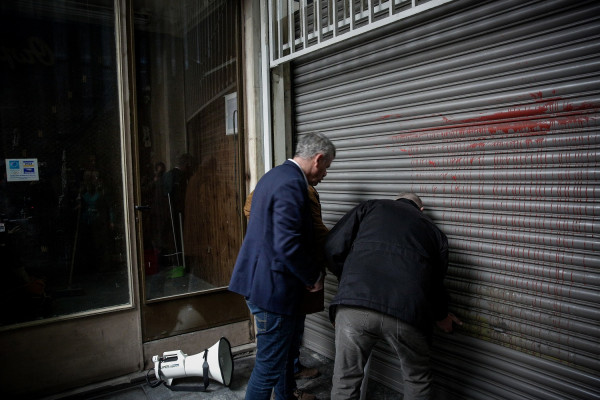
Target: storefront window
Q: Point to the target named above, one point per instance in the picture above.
(62, 232)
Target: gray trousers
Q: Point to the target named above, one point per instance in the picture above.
(357, 330)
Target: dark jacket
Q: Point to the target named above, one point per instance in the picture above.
(320, 230)
(275, 263)
(391, 258)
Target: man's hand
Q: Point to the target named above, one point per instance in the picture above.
(317, 286)
(446, 323)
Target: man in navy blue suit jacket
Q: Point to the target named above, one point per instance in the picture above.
(275, 265)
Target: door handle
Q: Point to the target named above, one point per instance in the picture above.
(142, 208)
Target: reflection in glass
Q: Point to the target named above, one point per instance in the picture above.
(186, 68)
(62, 228)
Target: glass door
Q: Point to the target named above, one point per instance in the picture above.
(189, 159)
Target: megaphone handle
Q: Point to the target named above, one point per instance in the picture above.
(205, 370)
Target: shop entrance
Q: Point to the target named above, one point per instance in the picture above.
(189, 154)
(90, 242)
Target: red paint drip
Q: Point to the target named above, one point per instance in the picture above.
(389, 117)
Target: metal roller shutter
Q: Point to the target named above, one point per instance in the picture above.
(489, 111)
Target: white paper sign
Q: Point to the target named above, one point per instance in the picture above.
(231, 113)
(22, 169)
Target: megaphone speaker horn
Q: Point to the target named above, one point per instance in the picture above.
(219, 359)
(220, 362)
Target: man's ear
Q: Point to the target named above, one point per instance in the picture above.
(319, 158)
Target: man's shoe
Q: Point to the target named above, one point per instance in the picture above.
(300, 395)
(307, 373)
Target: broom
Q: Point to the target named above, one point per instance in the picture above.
(70, 291)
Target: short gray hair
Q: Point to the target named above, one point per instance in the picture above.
(311, 144)
(412, 197)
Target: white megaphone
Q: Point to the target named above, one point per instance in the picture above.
(215, 363)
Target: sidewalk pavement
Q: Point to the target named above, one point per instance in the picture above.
(139, 389)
